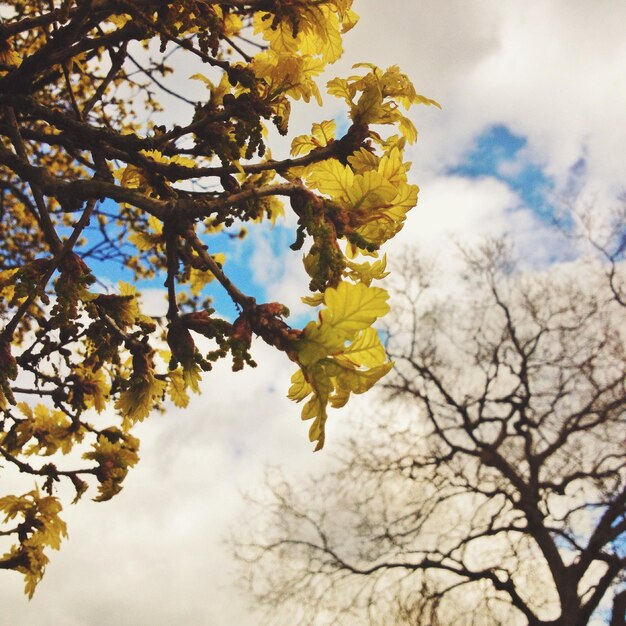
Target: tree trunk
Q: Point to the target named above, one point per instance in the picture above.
(618, 618)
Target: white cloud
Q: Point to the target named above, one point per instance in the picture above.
(551, 71)
(457, 207)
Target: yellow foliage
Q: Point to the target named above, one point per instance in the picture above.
(52, 430)
(321, 135)
(339, 354)
(144, 241)
(318, 32)
(95, 387)
(43, 528)
(91, 132)
(370, 191)
(363, 160)
(290, 75)
(366, 272)
(374, 194)
(8, 56)
(177, 389)
(140, 398)
(155, 155)
(115, 453)
(7, 284)
(332, 178)
(380, 94)
(192, 376)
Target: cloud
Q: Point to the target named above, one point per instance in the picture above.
(454, 206)
(549, 71)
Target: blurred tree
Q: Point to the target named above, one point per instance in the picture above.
(88, 176)
(493, 489)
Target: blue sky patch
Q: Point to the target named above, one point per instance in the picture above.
(500, 154)
(238, 254)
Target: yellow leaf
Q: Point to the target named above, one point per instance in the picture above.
(408, 130)
(120, 20)
(314, 300)
(202, 78)
(46, 529)
(178, 159)
(330, 369)
(198, 279)
(349, 20)
(177, 390)
(324, 132)
(341, 88)
(364, 160)
(366, 272)
(114, 459)
(302, 144)
(321, 33)
(350, 308)
(318, 32)
(26, 410)
(144, 241)
(358, 381)
(318, 342)
(331, 178)
(382, 225)
(155, 155)
(95, 387)
(370, 190)
(8, 56)
(7, 283)
(300, 388)
(192, 376)
(365, 350)
(136, 402)
(279, 36)
(392, 168)
(369, 107)
(155, 224)
(353, 307)
(321, 135)
(406, 198)
(232, 24)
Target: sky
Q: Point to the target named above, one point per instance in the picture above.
(533, 97)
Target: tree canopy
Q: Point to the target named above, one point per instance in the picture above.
(88, 177)
(493, 490)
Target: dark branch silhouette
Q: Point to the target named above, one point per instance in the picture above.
(492, 487)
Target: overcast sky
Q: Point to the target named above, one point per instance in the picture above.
(533, 96)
